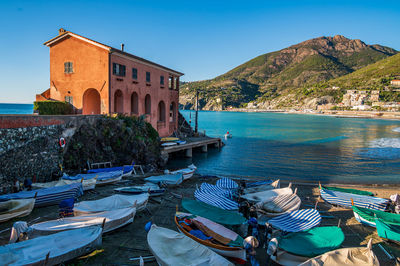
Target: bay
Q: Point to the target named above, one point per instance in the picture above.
(16, 108)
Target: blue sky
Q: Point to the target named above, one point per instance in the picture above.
(203, 39)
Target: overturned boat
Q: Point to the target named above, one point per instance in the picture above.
(15, 208)
(152, 189)
(168, 179)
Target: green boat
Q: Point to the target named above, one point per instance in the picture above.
(387, 229)
(367, 216)
(212, 213)
(350, 190)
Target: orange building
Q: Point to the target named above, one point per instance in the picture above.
(98, 79)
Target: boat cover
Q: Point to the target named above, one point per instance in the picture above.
(345, 200)
(227, 183)
(87, 184)
(110, 203)
(205, 187)
(48, 196)
(215, 214)
(369, 215)
(263, 187)
(350, 190)
(186, 172)
(250, 184)
(279, 205)
(387, 230)
(173, 248)
(217, 200)
(126, 169)
(296, 221)
(102, 176)
(151, 188)
(166, 179)
(15, 208)
(114, 219)
(267, 195)
(345, 256)
(312, 242)
(62, 247)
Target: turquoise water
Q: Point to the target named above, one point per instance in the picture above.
(299, 147)
(16, 108)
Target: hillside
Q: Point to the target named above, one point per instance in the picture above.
(275, 79)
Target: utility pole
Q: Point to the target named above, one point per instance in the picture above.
(196, 127)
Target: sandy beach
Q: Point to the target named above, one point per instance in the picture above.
(130, 241)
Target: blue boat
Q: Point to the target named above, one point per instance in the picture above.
(170, 179)
(126, 169)
(48, 196)
(103, 178)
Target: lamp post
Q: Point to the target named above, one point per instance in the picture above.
(196, 127)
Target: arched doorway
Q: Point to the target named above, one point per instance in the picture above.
(147, 104)
(134, 103)
(118, 102)
(91, 102)
(172, 112)
(161, 111)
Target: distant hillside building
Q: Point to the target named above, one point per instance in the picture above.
(98, 79)
(395, 82)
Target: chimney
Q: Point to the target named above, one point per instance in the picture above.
(122, 47)
(61, 31)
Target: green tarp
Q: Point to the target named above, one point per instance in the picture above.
(313, 242)
(213, 213)
(388, 230)
(349, 190)
(369, 215)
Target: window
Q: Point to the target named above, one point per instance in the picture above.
(119, 70)
(68, 68)
(134, 73)
(147, 76)
(69, 100)
(162, 80)
(170, 82)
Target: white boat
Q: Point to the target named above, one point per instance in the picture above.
(15, 208)
(273, 185)
(186, 172)
(168, 144)
(58, 247)
(168, 179)
(152, 189)
(102, 178)
(173, 248)
(87, 184)
(267, 195)
(110, 203)
(278, 205)
(113, 219)
(227, 135)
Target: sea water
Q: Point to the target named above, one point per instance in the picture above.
(307, 148)
(16, 108)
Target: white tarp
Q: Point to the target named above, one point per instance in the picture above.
(62, 247)
(267, 195)
(173, 248)
(110, 203)
(114, 219)
(15, 208)
(87, 184)
(168, 179)
(273, 185)
(279, 205)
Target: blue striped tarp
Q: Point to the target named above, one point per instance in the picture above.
(48, 196)
(102, 176)
(227, 183)
(216, 200)
(344, 199)
(212, 189)
(126, 169)
(297, 221)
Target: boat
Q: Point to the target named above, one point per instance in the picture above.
(218, 199)
(110, 203)
(48, 196)
(152, 189)
(87, 184)
(212, 213)
(113, 220)
(173, 248)
(297, 248)
(249, 184)
(15, 208)
(186, 172)
(281, 204)
(346, 256)
(165, 139)
(367, 216)
(388, 229)
(227, 183)
(168, 179)
(102, 178)
(126, 170)
(262, 187)
(350, 190)
(267, 195)
(219, 238)
(348, 199)
(227, 135)
(168, 144)
(180, 142)
(53, 249)
(296, 221)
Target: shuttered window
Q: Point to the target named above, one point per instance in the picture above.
(119, 70)
(147, 76)
(134, 73)
(161, 80)
(68, 67)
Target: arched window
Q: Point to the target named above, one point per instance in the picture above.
(134, 103)
(91, 102)
(161, 111)
(172, 112)
(147, 104)
(118, 102)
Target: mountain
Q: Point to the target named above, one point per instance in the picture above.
(281, 78)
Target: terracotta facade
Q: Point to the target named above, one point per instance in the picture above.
(98, 79)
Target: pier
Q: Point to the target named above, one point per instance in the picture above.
(193, 143)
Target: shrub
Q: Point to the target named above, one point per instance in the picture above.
(53, 108)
